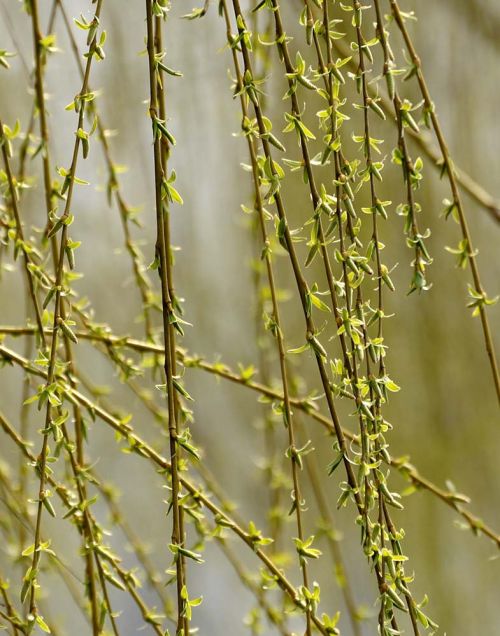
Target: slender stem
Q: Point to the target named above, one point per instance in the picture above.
(163, 256)
(58, 320)
(168, 267)
(300, 281)
(457, 199)
(307, 405)
(10, 616)
(138, 547)
(99, 552)
(141, 278)
(20, 242)
(277, 329)
(274, 617)
(19, 512)
(40, 103)
(468, 185)
(145, 450)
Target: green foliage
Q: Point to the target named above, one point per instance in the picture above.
(345, 69)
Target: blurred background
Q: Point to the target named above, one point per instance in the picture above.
(446, 415)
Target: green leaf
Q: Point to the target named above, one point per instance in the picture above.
(332, 466)
(178, 549)
(42, 624)
(28, 551)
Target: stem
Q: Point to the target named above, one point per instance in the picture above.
(407, 470)
(483, 198)
(277, 329)
(41, 462)
(146, 451)
(457, 199)
(20, 242)
(163, 255)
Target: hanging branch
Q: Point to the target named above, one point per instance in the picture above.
(479, 298)
(20, 245)
(48, 393)
(113, 189)
(306, 404)
(164, 193)
(252, 538)
(467, 184)
(275, 327)
(333, 240)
